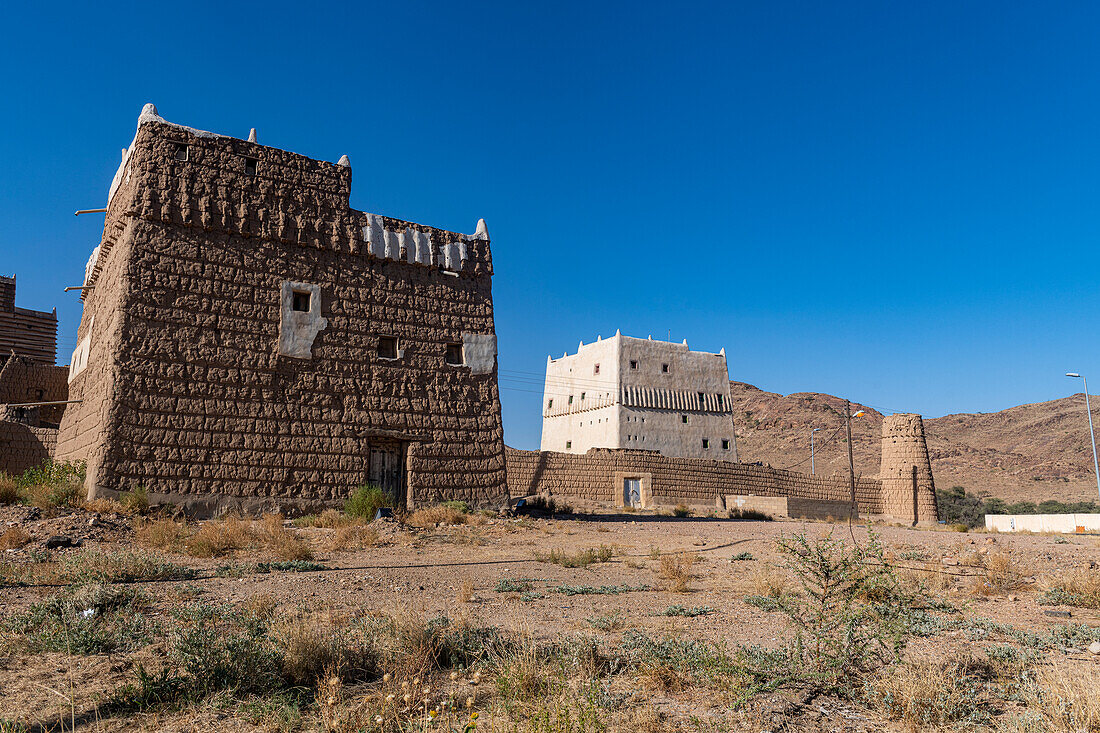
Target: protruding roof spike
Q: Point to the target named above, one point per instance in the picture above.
(650, 337)
(482, 229)
(599, 337)
(685, 342)
(618, 332)
(149, 109)
(580, 346)
(252, 135)
(344, 162)
(722, 352)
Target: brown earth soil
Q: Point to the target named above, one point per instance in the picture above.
(1026, 453)
(422, 572)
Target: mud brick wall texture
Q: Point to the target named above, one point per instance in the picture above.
(903, 447)
(591, 477)
(185, 391)
(24, 380)
(23, 446)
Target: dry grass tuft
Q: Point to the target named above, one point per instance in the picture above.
(1067, 697)
(926, 694)
(217, 538)
(353, 537)
(104, 506)
(433, 515)
(1000, 576)
(676, 569)
(9, 490)
(14, 538)
(317, 643)
(161, 534)
(328, 519)
(1079, 588)
(282, 542)
(770, 581)
(261, 606)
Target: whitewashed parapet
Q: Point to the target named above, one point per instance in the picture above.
(413, 245)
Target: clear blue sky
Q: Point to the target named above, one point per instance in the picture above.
(895, 202)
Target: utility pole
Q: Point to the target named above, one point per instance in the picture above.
(1092, 434)
(851, 461)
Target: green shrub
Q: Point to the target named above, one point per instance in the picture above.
(958, 506)
(96, 619)
(681, 510)
(366, 501)
(742, 556)
(136, 500)
(458, 506)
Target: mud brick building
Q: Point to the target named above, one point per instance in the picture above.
(248, 338)
(25, 332)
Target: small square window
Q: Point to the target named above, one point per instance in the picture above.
(300, 301)
(596, 369)
(706, 443)
(182, 152)
(40, 394)
(684, 419)
(582, 395)
(702, 399)
(719, 398)
(454, 354)
(250, 166)
(387, 347)
(725, 444)
(568, 444)
(633, 364)
(549, 404)
(570, 399)
(664, 369)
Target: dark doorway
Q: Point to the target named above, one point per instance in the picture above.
(386, 468)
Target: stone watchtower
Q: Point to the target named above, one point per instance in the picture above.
(908, 491)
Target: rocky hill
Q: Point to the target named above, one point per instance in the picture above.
(1031, 452)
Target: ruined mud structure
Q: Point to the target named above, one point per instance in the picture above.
(24, 332)
(647, 479)
(250, 339)
(28, 377)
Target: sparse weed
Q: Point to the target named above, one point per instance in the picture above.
(742, 556)
(608, 621)
(678, 610)
(581, 559)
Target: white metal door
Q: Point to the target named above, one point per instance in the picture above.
(632, 492)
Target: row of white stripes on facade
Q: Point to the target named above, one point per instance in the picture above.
(660, 399)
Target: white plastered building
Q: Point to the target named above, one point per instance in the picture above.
(624, 392)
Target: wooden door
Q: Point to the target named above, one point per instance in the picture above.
(386, 470)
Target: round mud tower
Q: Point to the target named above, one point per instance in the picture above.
(903, 448)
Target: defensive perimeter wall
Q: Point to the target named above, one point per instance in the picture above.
(599, 476)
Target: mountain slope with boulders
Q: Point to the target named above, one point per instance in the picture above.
(1030, 452)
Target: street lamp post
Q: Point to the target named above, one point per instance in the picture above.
(812, 471)
(1092, 434)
